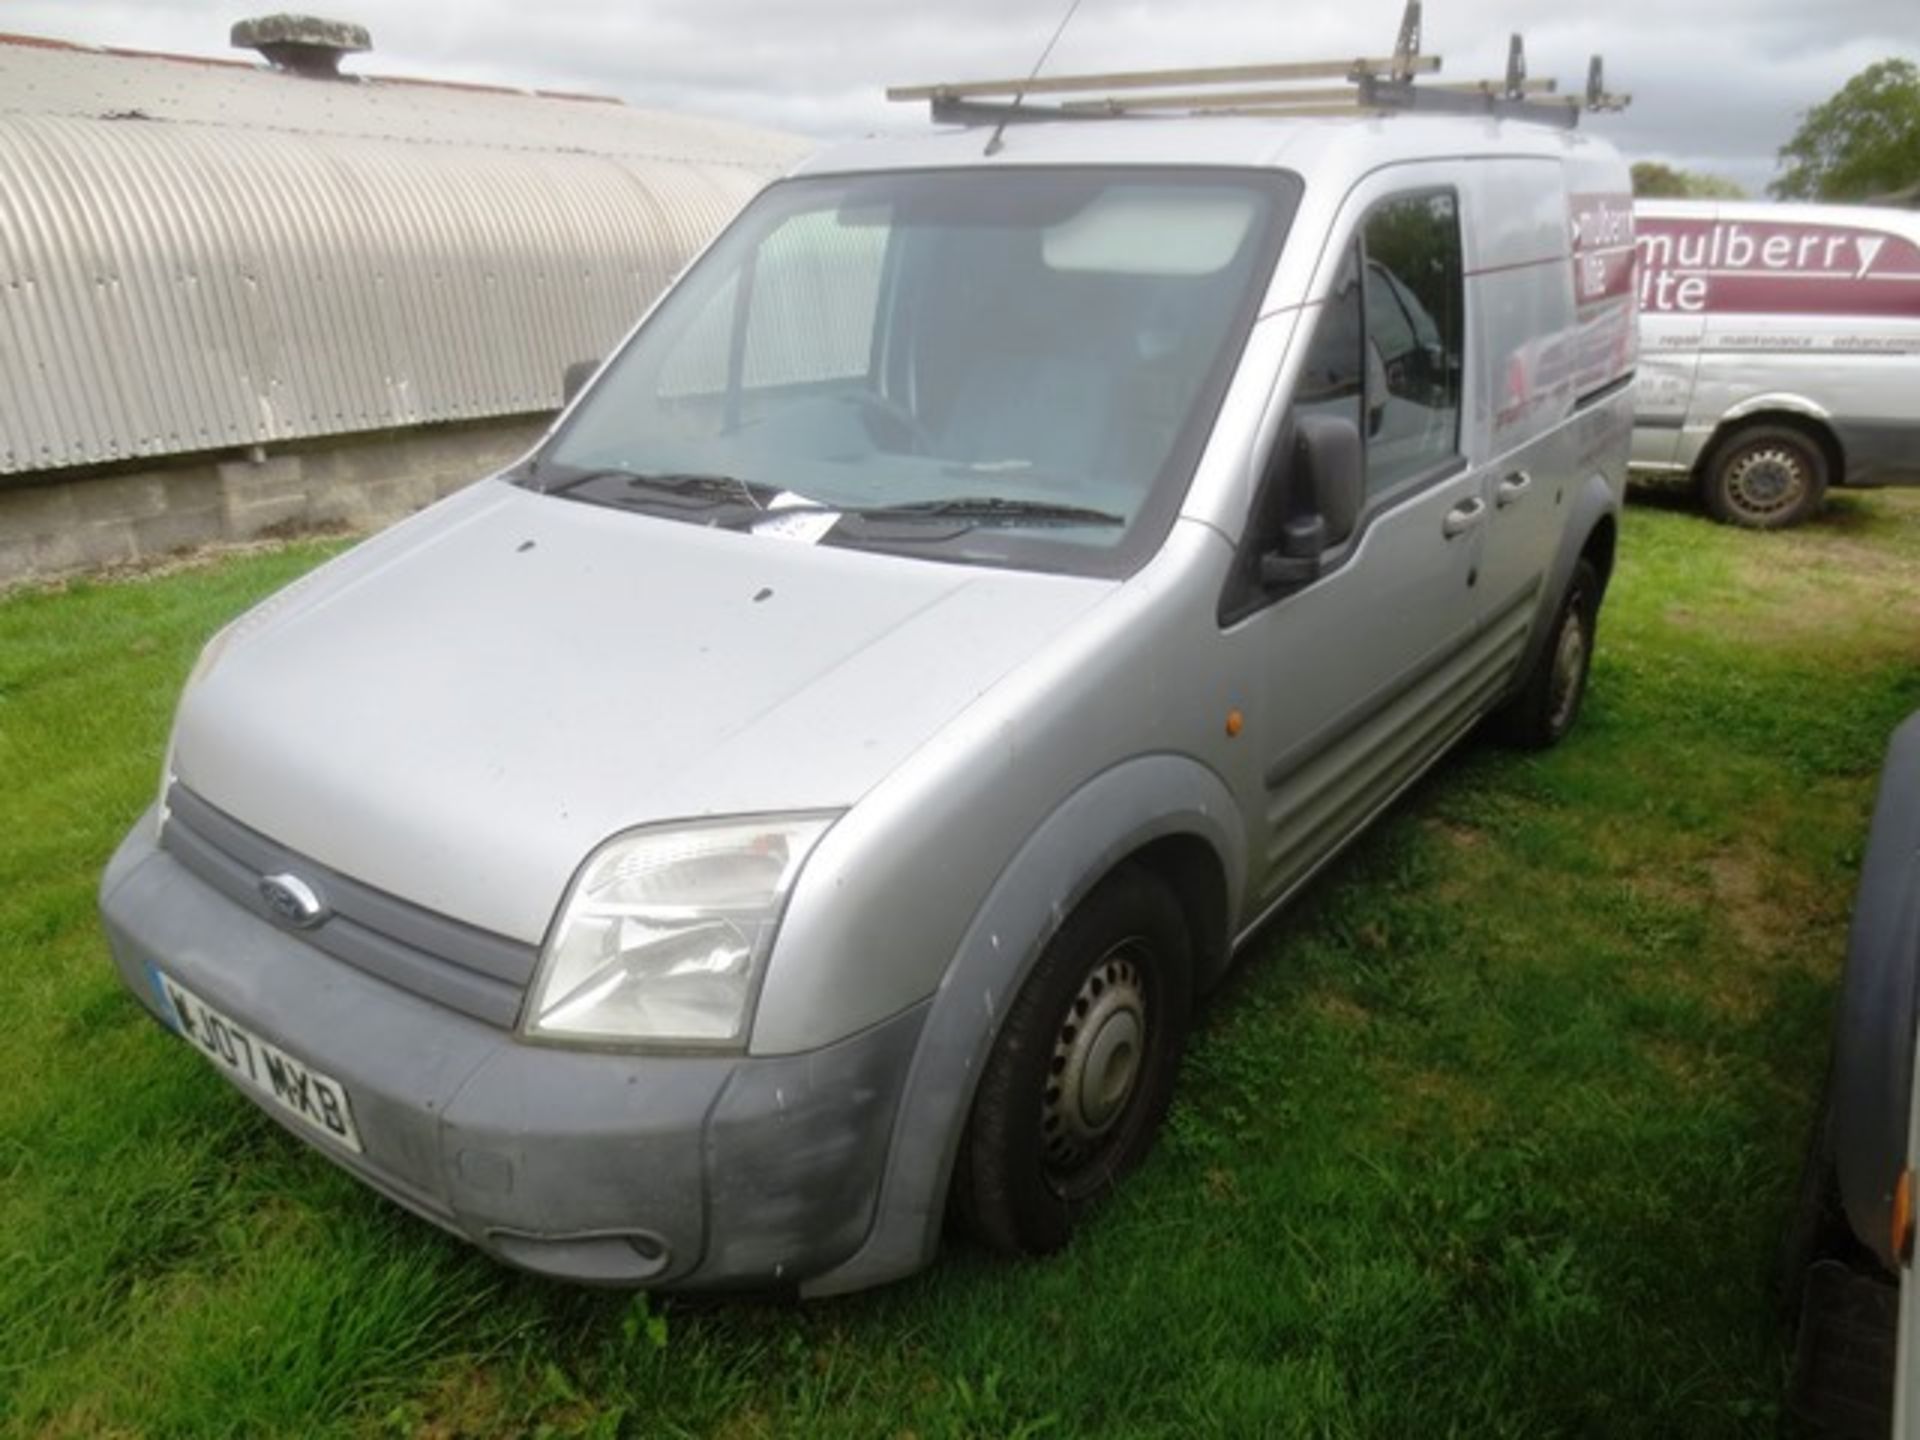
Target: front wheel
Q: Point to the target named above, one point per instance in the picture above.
(1082, 1070)
(1765, 477)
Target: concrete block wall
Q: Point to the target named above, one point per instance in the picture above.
(57, 526)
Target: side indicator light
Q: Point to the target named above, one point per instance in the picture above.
(1903, 1217)
(1236, 722)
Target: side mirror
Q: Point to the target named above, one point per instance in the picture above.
(1297, 561)
(1331, 472)
(575, 377)
(1327, 486)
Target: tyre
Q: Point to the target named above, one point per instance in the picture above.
(1081, 1072)
(1765, 477)
(1549, 700)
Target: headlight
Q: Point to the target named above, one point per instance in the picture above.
(663, 933)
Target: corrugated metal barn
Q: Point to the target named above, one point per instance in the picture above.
(199, 254)
(242, 298)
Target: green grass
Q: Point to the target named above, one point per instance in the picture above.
(1492, 1138)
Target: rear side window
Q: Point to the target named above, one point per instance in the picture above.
(1412, 302)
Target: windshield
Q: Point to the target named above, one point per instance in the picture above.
(1013, 367)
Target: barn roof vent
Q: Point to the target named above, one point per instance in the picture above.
(302, 44)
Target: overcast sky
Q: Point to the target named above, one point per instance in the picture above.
(1718, 84)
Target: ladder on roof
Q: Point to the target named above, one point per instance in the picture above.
(1369, 86)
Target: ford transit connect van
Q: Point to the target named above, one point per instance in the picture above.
(814, 786)
(1780, 345)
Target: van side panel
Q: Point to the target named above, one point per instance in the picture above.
(1550, 265)
(1550, 293)
(1522, 359)
(1803, 309)
(1521, 317)
(1600, 216)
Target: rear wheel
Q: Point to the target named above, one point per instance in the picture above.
(1549, 701)
(1082, 1071)
(1765, 477)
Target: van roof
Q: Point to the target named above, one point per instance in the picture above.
(1326, 148)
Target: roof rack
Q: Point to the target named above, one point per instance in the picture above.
(1370, 86)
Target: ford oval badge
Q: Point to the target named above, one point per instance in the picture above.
(293, 901)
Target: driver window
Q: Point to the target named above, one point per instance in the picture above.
(1413, 304)
(1333, 380)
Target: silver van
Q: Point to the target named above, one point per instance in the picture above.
(812, 788)
(1779, 346)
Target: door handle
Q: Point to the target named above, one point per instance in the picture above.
(1511, 488)
(1463, 517)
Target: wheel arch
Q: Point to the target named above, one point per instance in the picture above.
(1591, 534)
(1599, 547)
(1167, 813)
(1191, 868)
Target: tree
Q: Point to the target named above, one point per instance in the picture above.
(1656, 181)
(1862, 142)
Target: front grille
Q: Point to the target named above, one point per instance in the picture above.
(477, 973)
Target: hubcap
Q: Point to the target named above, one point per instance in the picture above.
(1098, 1053)
(1569, 666)
(1766, 480)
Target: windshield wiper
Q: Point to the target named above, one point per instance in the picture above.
(696, 482)
(702, 488)
(705, 490)
(990, 509)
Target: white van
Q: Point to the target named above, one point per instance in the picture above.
(805, 796)
(1778, 352)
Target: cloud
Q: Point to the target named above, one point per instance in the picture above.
(1718, 85)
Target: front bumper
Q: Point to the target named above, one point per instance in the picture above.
(681, 1171)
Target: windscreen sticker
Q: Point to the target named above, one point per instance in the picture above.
(804, 522)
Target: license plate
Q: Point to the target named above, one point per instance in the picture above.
(262, 1067)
